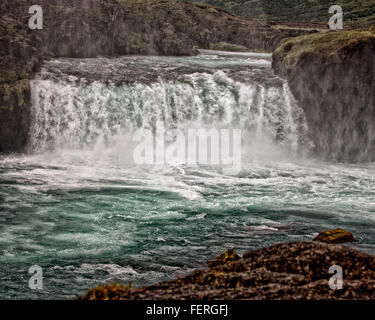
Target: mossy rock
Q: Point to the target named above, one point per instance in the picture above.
(107, 292)
(224, 258)
(335, 236)
(224, 46)
(328, 47)
(287, 271)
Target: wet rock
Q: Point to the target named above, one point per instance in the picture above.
(224, 46)
(226, 257)
(298, 270)
(108, 292)
(335, 236)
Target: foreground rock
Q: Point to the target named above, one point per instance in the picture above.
(226, 257)
(332, 76)
(335, 236)
(283, 271)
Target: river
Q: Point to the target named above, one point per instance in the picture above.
(77, 205)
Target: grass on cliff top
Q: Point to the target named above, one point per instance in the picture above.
(358, 13)
(326, 44)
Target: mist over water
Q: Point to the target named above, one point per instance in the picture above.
(80, 207)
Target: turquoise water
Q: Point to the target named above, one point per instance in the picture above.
(79, 208)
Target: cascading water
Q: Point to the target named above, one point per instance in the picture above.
(78, 206)
(71, 112)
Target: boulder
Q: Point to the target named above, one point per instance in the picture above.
(335, 236)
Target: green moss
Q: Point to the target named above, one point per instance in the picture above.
(14, 95)
(326, 45)
(224, 46)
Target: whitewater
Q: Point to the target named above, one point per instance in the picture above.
(76, 204)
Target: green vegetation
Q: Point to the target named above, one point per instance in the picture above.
(356, 12)
(224, 46)
(14, 95)
(327, 46)
(331, 75)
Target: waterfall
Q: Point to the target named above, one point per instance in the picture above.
(70, 112)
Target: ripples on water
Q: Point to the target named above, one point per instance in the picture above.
(77, 207)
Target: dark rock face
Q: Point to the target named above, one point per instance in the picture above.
(19, 59)
(297, 270)
(14, 116)
(91, 28)
(332, 76)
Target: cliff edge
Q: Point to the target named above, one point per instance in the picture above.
(332, 76)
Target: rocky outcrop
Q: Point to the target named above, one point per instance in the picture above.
(283, 271)
(92, 28)
(14, 115)
(335, 236)
(332, 75)
(20, 58)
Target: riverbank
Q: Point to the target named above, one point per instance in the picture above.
(289, 271)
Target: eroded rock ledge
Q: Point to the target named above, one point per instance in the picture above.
(332, 75)
(298, 270)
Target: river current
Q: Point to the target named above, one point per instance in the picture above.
(77, 205)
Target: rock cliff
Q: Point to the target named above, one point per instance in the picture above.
(332, 75)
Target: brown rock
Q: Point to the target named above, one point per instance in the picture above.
(108, 292)
(288, 271)
(335, 236)
(224, 258)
